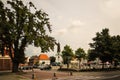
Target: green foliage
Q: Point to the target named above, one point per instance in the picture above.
(80, 53)
(19, 27)
(92, 55)
(67, 51)
(4, 33)
(101, 45)
(116, 48)
(105, 47)
(67, 55)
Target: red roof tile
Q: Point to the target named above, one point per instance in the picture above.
(43, 57)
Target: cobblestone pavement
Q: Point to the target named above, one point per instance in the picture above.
(85, 78)
(48, 75)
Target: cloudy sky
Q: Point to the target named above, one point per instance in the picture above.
(75, 22)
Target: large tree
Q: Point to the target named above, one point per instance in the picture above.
(101, 46)
(105, 47)
(67, 55)
(79, 54)
(22, 25)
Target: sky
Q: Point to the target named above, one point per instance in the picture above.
(75, 22)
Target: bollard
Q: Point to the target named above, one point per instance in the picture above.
(71, 73)
(33, 76)
(54, 75)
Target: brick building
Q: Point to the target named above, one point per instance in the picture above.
(5, 61)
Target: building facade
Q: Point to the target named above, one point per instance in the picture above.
(5, 61)
(43, 59)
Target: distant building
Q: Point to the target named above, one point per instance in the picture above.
(43, 58)
(33, 60)
(75, 63)
(5, 61)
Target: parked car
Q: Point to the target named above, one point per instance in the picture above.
(35, 66)
(25, 67)
(55, 64)
(44, 67)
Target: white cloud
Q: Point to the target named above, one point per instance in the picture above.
(73, 28)
(76, 22)
(31, 50)
(36, 51)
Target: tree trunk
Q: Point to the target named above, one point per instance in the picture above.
(79, 64)
(103, 65)
(15, 67)
(67, 65)
(115, 64)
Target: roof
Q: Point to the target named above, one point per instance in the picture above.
(43, 57)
